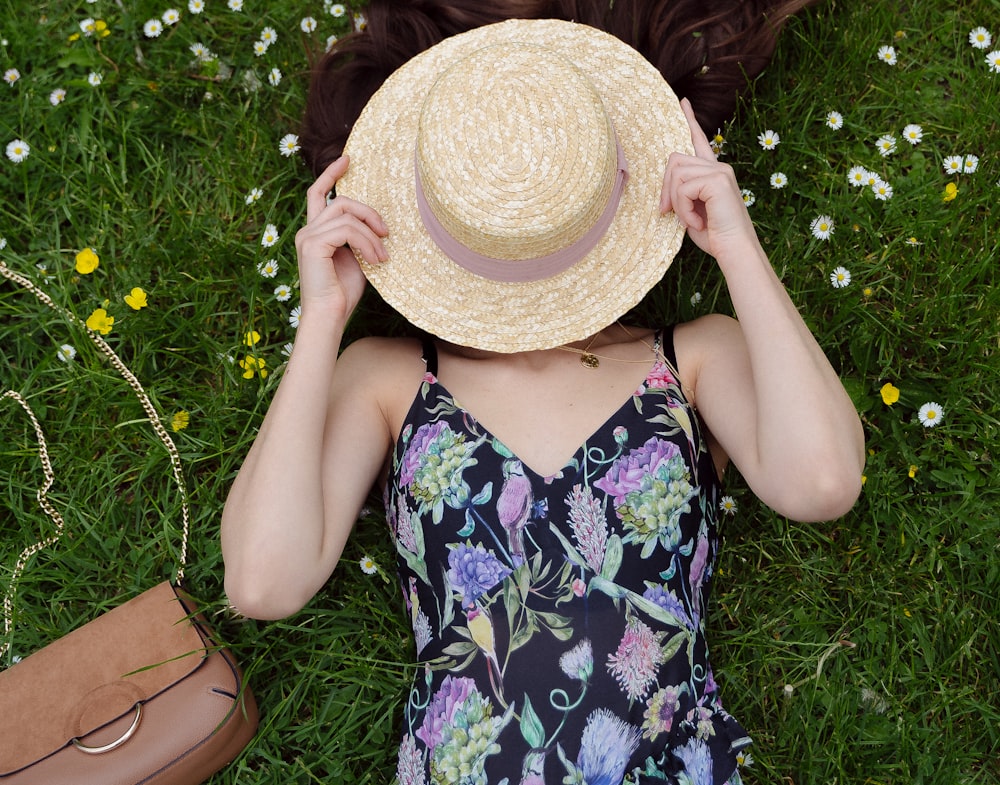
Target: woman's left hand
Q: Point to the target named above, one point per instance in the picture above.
(705, 196)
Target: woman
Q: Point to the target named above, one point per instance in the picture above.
(551, 475)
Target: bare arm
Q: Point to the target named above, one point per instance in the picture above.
(763, 385)
(324, 437)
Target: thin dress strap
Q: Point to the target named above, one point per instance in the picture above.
(667, 345)
(430, 354)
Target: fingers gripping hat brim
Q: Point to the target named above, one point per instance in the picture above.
(433, 292)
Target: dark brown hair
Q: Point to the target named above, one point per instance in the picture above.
(707, 50)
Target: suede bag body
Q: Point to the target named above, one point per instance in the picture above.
(140, 694)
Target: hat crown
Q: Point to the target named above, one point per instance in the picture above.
(516, 154)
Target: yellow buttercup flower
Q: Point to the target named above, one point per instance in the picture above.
(136, 299)
(252, 338)
(890, 393)
(180, 420)
(950, 192)
(912, 472)
(100, 321)
(251, 365)
(87, 261)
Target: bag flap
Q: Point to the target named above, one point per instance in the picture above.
(95, 674)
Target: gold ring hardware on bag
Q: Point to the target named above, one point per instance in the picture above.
(117, 742)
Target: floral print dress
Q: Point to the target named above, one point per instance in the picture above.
(560, 619)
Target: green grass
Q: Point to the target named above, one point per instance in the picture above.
(884, 623)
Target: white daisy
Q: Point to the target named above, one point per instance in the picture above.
(887, 55)
(18, 150)
(980, 38)
(779, 180)
(94, 79)
(268, 269)
(57, 96)
(171, 16)
(717, 142)
(748, 197)
(283, 293)
(993, 61)
(337, 9)
(268, 35)
(768, 140)
(254, 195)
(11, 75)
(834, 120)
(727, 505)
(202, 52)
(696, 298)
(857, 176)
(882, 190)
(886, 145)
(288, 145)
(970, 164)
(259, 48)
(196, 6)
(293, 317)
(3, 244)
(152, 28)
(330, 41)
(307, 25)
(286, 350)
(953, 164)
(88, 26)
(913, 133)
(360, 23)
(274, 77)
(930, 414)
(840, 277)
(821, 227)
(235, 5)
(871, 178)
(66, 353)
(270, 236)
(368, 565)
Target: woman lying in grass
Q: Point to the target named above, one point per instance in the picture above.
(552, 476)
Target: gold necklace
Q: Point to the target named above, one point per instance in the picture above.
(589, 359)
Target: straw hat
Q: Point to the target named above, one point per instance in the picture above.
(518, 168)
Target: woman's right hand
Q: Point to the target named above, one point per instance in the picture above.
(330, 278)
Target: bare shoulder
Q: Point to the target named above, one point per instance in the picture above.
(705, 342)
(708, 330)
(386, 371)
(377, 355)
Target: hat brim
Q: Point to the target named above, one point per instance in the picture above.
(439, 296)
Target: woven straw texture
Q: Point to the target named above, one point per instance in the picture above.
(517, 157)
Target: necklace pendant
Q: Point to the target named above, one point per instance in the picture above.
(588, 360)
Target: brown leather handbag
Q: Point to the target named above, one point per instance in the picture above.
(141, 694)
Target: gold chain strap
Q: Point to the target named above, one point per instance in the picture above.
(52, 512)
(154, 421)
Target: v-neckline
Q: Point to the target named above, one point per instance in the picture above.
(513, 453)
(547, 478)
